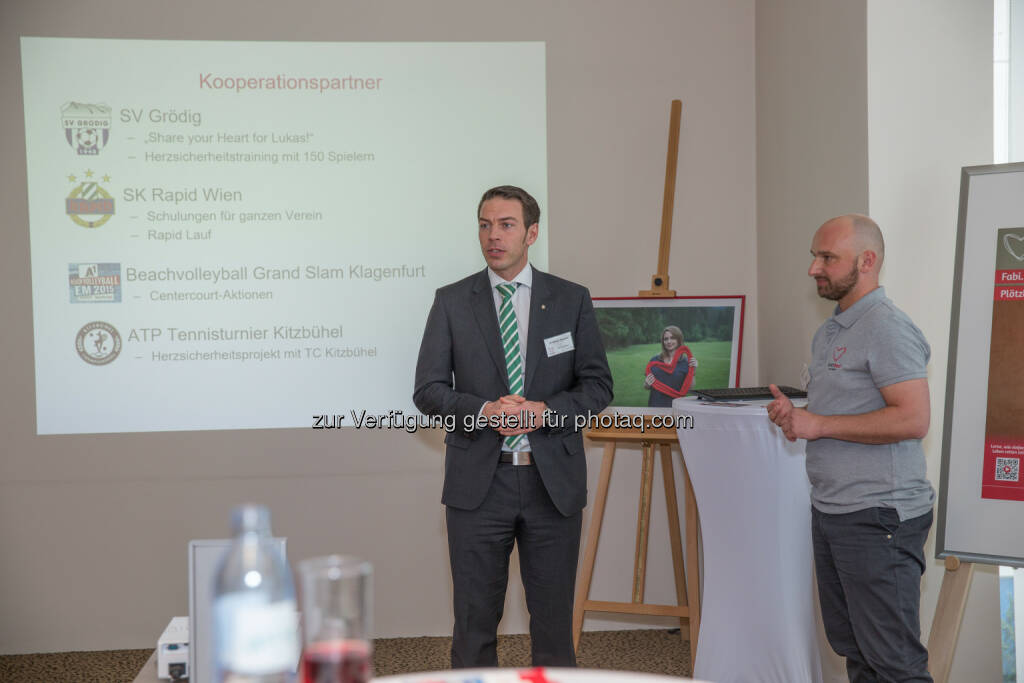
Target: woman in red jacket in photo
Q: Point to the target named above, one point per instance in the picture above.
(670, 373)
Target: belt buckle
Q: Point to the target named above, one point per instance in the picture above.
(521, 458)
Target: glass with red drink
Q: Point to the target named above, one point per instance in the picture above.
(336, 619)
(336, 661)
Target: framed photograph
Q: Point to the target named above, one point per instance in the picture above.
(661, 349)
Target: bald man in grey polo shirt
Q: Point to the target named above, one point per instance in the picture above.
(867, 412)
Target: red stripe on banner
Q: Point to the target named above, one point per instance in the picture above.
(1009, 293)
(1004, 277)
(1001, 478)
(1001, 492)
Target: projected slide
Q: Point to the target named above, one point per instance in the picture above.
(232, 235)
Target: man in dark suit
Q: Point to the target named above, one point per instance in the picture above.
(515, 469)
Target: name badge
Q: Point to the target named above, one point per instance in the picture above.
(560, 343)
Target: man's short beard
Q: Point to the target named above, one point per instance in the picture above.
(834, 291)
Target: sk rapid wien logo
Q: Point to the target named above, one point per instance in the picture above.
(98, 343)
(89, 204)
(86, 126)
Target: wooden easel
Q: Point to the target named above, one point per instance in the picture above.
(687, 588)
(949, 613)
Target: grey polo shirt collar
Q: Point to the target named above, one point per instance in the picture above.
(852, 314)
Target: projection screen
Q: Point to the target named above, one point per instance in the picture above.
(232, 235)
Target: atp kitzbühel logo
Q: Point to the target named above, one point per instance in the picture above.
(98, 343)
(89, 204)
(86, 126)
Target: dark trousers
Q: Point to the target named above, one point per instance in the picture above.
(517, 509)
(869, 566)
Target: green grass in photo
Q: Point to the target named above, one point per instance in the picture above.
(628, 364)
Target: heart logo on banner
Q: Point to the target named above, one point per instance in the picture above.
(838, 353)
(1020, 245)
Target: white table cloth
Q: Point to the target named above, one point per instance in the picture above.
(758, 621)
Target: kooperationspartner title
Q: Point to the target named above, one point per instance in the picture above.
(208, 81)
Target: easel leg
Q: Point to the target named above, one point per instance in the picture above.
(593, 535)
(949, 612)
(672, 507)
(643, 523)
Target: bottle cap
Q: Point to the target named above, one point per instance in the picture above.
(251, 517)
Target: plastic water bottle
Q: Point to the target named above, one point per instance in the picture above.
(256, 636)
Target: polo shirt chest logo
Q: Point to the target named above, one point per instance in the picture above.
(837, 353)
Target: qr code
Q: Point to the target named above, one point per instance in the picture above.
(1007, 469)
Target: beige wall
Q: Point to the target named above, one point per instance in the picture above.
(812, 160)
(93, 529)
(874, 106)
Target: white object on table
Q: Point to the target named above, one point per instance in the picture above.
(172, 649)
(758, 617)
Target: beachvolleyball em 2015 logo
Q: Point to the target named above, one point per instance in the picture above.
(89, 204)
(94, 282)
(86, 126)
(98, 343)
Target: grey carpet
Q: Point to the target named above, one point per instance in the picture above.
(646, 651)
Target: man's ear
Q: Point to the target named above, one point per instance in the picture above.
(868, 259)
(531, 234)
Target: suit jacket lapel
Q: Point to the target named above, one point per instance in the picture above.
(540, 312)
(487, 320)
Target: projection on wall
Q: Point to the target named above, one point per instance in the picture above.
(232, 235)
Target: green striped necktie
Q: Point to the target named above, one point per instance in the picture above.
(509, 327)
